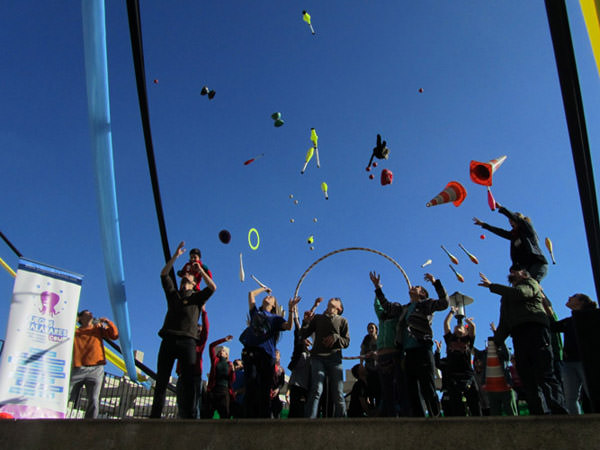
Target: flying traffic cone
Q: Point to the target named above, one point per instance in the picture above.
(481, 173)
(453, 192)
(494, 375)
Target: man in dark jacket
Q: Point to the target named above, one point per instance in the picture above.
(415, 336)
(522, 316)
(179, 333)
(525, 251)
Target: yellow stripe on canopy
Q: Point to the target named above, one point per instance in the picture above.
(591, 14)
(119, 363)
(7, 267)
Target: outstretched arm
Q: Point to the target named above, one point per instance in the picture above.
(252, 295)
(178, 252)
(206, 277)
(442, 302)
(471, 327)
(211, 347)
(391, 308)
(318, 301)
(508, 213)
(291, 313)
(448, 320)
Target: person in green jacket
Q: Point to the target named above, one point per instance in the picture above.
(523, 317)
(389, 364)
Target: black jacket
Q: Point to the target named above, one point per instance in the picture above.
(524, 244)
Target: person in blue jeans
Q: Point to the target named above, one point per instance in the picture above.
(331, 336)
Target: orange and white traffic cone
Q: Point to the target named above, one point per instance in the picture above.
(453, 192)
(481, 173)
(494, 375)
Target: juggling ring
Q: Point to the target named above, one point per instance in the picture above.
(364, 249)
(250, 238)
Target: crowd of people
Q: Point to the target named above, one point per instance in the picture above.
(401, 364)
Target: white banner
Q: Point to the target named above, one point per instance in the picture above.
(36, 359)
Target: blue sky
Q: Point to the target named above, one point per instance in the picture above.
(490, 88)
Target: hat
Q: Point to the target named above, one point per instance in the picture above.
(196, 251)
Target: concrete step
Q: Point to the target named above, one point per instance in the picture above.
(477, 433)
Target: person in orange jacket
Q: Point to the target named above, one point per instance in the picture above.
(89, 359)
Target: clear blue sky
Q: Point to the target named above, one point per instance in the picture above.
(490, 88)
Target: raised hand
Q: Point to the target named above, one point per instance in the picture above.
(180, 249)
(429, 277)
(318, 301)
(484, 281)
(375, 278)
(293, 302)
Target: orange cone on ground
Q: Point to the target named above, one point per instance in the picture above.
(494, 375)
(481, 173)
(453, 192)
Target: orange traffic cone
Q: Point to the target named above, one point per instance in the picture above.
(494, 375)
(481, 173)
(453, 192)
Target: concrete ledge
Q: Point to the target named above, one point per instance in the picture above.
(478, 433)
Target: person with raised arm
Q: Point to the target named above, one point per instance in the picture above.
(415, 336)
(525, 252)
(331, 336)
(258, 356)
(523, 317)
(459, 376)
(221, 378)
(179, 333)
(89, 359)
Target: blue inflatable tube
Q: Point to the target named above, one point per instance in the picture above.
(94, 39)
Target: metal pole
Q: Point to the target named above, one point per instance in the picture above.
(571, 93)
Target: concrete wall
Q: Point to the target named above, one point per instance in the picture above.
(500, 433)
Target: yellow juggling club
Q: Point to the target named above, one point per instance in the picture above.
(309, 155)
(324, 188)
(306, 18)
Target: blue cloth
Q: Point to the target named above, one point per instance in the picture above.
(238, 385)
(94, 40)
(263, 331)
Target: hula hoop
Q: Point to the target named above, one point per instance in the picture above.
(255, 231)
(364, 249)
